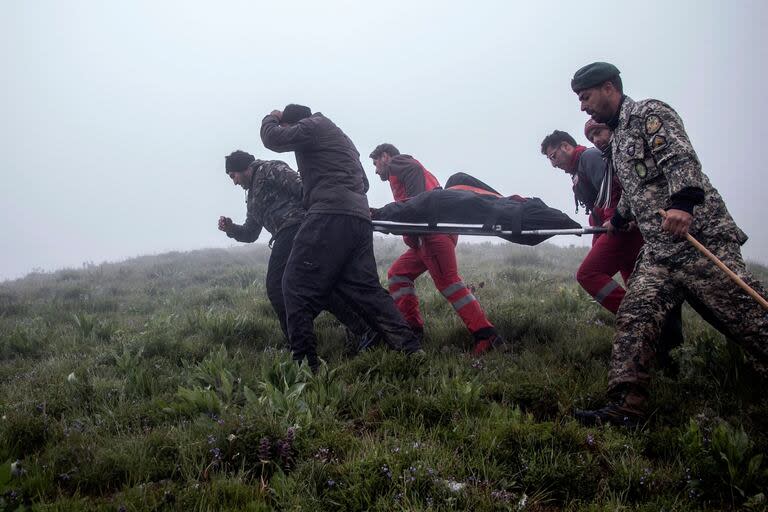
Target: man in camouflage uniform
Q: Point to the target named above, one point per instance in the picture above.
(659, 170)
(274, 203)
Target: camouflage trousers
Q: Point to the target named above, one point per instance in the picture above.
(657, 287)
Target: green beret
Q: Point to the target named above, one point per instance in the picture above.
(593, 75)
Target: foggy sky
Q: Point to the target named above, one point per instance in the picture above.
(115, 117)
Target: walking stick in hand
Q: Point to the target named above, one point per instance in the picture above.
(736, 279)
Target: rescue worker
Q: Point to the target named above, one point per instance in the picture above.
(658, 170)
(435, 254)
(274, 202)
(595, 190)
(333, 248)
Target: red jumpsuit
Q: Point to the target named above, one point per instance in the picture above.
(609, 255)
(433, 253)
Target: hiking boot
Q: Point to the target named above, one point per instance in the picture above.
(613, 414)
(625, 408)
(492, 342)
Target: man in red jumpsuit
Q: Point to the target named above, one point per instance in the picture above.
(435, 254)
(598, 191)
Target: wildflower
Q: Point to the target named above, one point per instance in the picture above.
(264, 449)
(590, 440)
(211, 439)
(285, 452)
(454, 486)
(231, 437)
(331, 482)
(385, 469)
(503, 496)
(323, 455)
(72, 378)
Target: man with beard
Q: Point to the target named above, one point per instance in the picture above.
(594, 189)
(658, 170)
(435, 254)
(274, 203)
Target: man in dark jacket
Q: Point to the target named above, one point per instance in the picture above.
(435, 254)
(274, 203)
(333, 249)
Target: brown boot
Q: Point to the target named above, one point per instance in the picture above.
(625, 408)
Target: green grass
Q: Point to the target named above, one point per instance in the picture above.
(162, 383)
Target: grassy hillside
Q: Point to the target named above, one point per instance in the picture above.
(162, 383)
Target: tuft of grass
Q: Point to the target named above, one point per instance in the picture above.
(163, 383)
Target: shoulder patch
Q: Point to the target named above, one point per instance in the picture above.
(658, 142)
(631, 150)
(652, 124)
(641, 170)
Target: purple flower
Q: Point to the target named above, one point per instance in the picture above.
(331, 483)
(264, 449)
(590, 440)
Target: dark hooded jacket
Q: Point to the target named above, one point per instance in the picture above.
(332, 176)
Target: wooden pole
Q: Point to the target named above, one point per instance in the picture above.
(735, 278)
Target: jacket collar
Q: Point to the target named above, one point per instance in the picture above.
(625, 112)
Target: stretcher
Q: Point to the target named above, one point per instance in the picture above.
(423, 228)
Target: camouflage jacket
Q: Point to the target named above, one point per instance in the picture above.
(274, 201)
(654, 160)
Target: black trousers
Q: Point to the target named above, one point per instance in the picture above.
(335, 304)
(334, 253)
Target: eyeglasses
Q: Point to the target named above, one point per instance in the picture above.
(553, 154)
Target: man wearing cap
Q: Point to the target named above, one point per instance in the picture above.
(333, 249)
(595, 190)
(274, 203)
(658, 170)
(435, 254)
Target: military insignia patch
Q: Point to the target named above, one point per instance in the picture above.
(631, 150)
(641, 170)
(658, 141)
(652, 124)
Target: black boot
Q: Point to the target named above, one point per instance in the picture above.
(625, 408)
